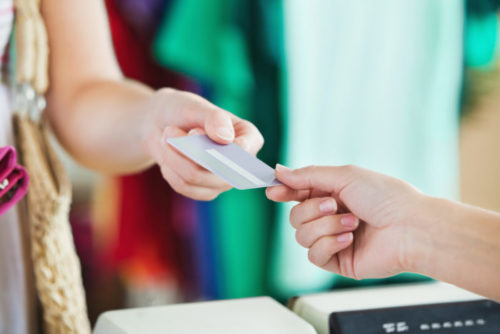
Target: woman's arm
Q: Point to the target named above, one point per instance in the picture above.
(391, 228)
(116, 125)
(92, 108)
(458, 243)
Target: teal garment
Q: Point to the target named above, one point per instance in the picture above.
(374, 84)
(212, 42)
(201, 39)
(481, 36)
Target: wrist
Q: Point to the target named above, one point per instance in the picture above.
(154, 122)
(424, 226)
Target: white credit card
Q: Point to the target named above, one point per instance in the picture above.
(230, 162)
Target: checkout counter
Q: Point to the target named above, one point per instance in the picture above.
(431, 307)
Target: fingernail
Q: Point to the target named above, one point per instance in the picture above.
(282, 169)
(328, 205)
(225, 133)
(346, 237)
(349, 220)
(192, 132)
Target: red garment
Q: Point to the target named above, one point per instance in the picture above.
(155, 224)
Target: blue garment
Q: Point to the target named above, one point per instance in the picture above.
(205, 250)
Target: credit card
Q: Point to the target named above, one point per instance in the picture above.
(230, 162)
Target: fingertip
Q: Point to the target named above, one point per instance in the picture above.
(225, 133)
(345, 238)
(219, 127)
(281, 169)
(250, 135)
(285, 176)
(328, 205)
(349, 220)
(220, 135)
(271, 193)
(279, 193)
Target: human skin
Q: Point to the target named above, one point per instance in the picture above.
(389, 227)
(115, 125)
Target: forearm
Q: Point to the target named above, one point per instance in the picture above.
(96, 113)
(459, 244)
(102, 124)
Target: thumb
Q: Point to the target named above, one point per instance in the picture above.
(219, 126)
(322, 178)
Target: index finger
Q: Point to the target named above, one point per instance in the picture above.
(284, 193)
(330, 179)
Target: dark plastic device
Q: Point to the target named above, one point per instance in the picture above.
(478, 317)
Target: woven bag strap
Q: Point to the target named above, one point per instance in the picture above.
(55, 262)
(32, 46)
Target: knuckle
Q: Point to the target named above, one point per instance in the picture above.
(213, 195)
(330, 224)
(310, 256)
(185, 94)
(293, 217)
(313, 168)
(208, 197)
(350, 168)
(226, 187)
(300, 238)
(330, 246)
(313, 258)
(259, 138)
(177, 184)
(167, 91)
(217, 113)
(191, 175)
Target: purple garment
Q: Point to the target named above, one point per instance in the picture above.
(142, 15)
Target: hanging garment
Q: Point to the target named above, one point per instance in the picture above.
(481, 33)
(156, 226)
(13, 179)
(206, 253)
(142, 16)
(208, 40)
(18, 311)
(199, 280)
(374, 84)
(201, 39)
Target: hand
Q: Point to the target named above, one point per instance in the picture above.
(333, 199)
(176, 113)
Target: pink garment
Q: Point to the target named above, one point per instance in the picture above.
(17, 290)
(13, 179)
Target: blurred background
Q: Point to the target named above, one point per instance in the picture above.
(409, 88)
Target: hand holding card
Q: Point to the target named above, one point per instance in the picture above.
(230, 162)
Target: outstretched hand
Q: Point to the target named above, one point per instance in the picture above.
(355, 222)
(190, 114)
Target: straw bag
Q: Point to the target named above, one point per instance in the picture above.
(56, 265)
